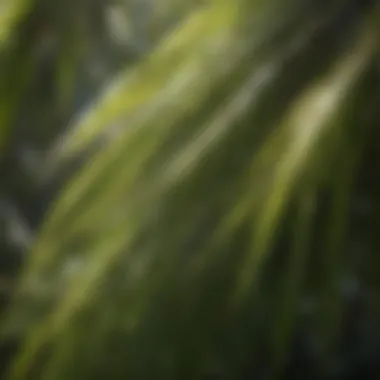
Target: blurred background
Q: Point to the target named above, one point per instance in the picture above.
(189, 189)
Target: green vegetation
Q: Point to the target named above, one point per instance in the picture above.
(189, 190)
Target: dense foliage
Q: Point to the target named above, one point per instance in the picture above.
(189, 189)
